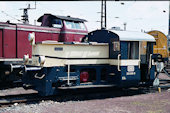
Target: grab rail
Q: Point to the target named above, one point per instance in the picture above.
(139, 64)
(118, 65)
(150, 61)
(38, 76)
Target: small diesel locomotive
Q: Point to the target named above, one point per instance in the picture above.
(103, 58)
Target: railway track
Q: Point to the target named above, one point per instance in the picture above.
(21, 98)
(80, 94)
(168, 70)
(11, 85)
(167, 67)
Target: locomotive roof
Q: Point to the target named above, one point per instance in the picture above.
(133, 36)
(62, 18)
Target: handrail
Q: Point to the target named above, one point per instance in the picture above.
(150, 61)
(38, 76)
(139, 64)
(118, 65)
(68, 75)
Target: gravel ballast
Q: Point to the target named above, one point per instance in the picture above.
(143, 103)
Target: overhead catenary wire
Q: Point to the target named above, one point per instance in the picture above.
(10, 16)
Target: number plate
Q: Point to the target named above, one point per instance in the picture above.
(130, 68)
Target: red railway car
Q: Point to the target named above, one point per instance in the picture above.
(14, 43)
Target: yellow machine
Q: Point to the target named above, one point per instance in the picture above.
(161, 46)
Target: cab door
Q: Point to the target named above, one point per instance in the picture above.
(147, 68)
(129, 61)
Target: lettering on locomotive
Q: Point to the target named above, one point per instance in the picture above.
(58, 49)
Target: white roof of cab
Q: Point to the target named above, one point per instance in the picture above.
(133, 36)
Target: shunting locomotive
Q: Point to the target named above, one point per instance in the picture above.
(103, 58)
(14, 44)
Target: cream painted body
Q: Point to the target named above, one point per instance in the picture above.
(72, 50)
(82, 53)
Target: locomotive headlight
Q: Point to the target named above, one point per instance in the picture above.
(31, 38)
(26, 58)
(41, 60)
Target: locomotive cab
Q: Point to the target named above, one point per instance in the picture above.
(127, 58)
(72, 29)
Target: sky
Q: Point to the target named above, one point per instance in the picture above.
(138, 15)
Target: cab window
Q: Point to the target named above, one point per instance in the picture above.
(70, 25)
(116, 46)
(57, 23)
(75, 25)
(133, 50)
(82, 26)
